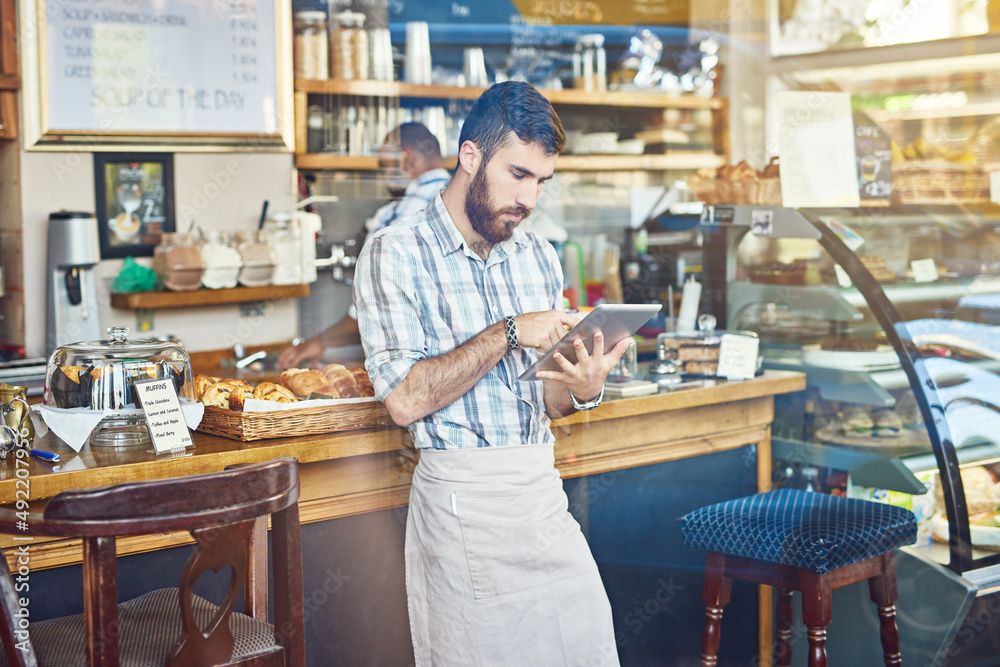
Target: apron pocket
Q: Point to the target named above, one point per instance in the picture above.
(516, 541)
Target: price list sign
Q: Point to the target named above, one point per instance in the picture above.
(162, 66)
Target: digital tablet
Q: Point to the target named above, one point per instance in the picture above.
(615, 320)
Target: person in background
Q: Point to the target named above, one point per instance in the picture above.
(453, 305)
(414, 172)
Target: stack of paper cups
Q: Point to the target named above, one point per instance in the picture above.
(418, 53)
(381, 56)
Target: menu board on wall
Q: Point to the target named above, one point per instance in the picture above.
(162, 68)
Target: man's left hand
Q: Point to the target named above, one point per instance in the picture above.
(586, 377)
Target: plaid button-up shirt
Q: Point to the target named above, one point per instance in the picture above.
(421, 292)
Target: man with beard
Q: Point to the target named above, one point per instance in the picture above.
(413, 171)
(454, 303)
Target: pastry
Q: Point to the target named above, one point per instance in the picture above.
(71, 387)
(268, 391)
(202, 383)
(218, 394)
(701, 367)
(365, 387)
(305, 382)
(699, 351)
(342, 381)
(237, 396)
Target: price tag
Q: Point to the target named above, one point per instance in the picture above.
(738, 357)
(843, 279)
(163, 413)
(924, 270)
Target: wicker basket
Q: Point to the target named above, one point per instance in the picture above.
(938, 182)
(770, 192)
(704, 189)
(246, 426)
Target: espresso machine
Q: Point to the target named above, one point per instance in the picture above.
(73, 250)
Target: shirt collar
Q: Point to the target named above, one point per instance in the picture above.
(450, 239)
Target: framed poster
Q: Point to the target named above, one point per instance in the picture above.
(126, 75)
(135, 201)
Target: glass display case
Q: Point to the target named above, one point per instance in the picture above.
(892, 314)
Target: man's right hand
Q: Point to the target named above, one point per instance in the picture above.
(303, 355)
(543, 329)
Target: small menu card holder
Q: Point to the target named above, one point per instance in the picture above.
(167, 427)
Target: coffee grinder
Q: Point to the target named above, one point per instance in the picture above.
(73, 250)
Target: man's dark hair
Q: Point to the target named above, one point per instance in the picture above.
(513, 106)
(418, 138)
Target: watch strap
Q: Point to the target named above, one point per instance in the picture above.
(589, 405)
(510, 328)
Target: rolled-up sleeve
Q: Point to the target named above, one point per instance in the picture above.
(388, 313)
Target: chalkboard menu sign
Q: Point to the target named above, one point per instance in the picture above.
(874, 152)
(169, 72)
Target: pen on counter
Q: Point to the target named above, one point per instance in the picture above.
(48, 458)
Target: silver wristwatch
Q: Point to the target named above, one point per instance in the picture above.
(589, 405)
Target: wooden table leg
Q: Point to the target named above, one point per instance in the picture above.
(765, 605)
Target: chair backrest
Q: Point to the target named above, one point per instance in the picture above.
(226, 513)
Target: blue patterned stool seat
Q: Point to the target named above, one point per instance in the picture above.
(813, 531)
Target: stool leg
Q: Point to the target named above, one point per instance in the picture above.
(883, 593)
(716, 596)
(816, 613)
(783, 649)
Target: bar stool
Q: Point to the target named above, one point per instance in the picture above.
(804, 541)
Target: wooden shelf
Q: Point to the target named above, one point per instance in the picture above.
(206, 297)
(672, 160)
(613, 98)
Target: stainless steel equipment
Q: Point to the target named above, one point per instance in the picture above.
(73, 251)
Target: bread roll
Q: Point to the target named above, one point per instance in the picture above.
(201, 383)
(218, 394)
(304, 382)
(268, 391)
(342, 381)
(365, 387)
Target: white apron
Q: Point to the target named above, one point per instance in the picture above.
(497, 570)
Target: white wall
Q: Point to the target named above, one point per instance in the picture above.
(215, 190)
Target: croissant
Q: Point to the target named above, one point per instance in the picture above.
(365, 387)
(304, 382)
(268, 391)
(201, 383)
(342, 381)
(219, 393)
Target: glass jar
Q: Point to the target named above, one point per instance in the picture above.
(222, 260)
(100, 375)
(590, 63)
(258, 258)
(285, 237)
(177, 262)
(348, 46)
(310, 45)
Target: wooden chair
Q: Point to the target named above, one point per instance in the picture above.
(226, 513)
(802, 541)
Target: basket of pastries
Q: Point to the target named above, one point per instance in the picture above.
(304, 402)
(925, 173)
(738, 183)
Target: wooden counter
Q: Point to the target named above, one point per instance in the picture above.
(362, 471)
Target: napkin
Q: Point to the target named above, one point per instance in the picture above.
(74, 425)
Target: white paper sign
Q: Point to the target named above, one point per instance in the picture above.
(924, 270)
(162, 408)
(843, 279)
(738, 357)
(816, 146)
